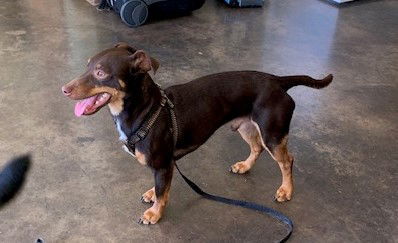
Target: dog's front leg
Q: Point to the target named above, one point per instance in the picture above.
(162, 187)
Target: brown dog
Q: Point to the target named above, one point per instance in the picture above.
(255, 102)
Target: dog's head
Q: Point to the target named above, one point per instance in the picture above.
(107, 79)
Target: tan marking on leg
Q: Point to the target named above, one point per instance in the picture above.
(285, 162)
(154, 213)
(261, 139)
(252, 136)
(149, 196)
(140, 157)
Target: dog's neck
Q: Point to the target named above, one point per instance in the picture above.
(141, 94)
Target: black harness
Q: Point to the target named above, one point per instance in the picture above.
(144, 130)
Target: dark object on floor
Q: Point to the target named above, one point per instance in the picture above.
(12, 178)
(136, 12)
(245, 3)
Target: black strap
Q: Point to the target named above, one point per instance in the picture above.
(244, 204)
(143, 130)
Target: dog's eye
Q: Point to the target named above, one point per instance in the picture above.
(100, 74)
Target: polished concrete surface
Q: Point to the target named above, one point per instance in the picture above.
(84, 188)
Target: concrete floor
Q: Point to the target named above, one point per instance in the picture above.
(84, 188)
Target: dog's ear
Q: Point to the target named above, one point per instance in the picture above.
(154, 64)
(126, 46)
(121, 45)
(143, 63)
(140, 61)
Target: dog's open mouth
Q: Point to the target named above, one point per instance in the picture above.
(92, 104)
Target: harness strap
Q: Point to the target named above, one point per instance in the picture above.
(143, 131)
(173, 117)
(147, 125)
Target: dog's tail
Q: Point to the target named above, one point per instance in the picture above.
(12, 178)
(288, 82)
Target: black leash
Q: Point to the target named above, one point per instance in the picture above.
(244, 204)
(143, 131)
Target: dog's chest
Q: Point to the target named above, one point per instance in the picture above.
(137, 154)
(123, 137)
(122, 134)
(125, 148)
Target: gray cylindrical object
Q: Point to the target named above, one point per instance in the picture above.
(134, 13)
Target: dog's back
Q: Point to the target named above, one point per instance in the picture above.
(206, 103)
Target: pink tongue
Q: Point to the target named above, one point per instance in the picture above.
(81, 106)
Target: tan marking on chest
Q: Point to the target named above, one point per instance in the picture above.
(117, 104)
(140, 157)
(128, 151)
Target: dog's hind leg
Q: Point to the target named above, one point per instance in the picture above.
(251, 135)
(285, 161)
(273, 123)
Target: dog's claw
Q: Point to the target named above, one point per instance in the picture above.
(141, 221)
(146, 202)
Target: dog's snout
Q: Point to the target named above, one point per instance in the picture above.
(66, 90)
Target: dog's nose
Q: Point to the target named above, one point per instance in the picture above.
(66, 90)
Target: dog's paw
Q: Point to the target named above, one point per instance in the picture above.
(150, 216)
(239, 168)
(283, 194)
(149, 196)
